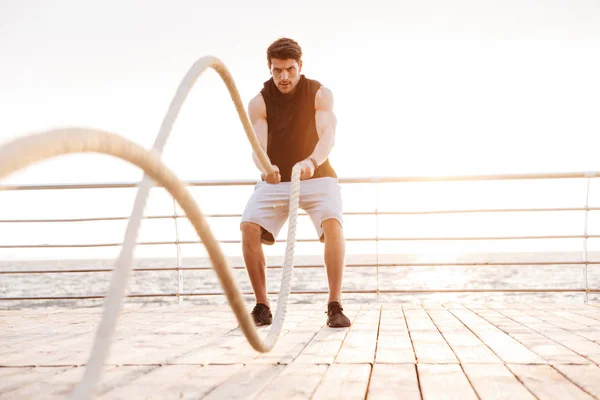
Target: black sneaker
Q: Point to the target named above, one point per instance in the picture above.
(336, 317)
(262, 315)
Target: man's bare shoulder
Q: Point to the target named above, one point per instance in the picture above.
(257, 107)
(324, 99)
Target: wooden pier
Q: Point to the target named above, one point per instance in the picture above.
(438, 351)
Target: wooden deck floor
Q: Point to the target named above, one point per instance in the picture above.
(448, 351)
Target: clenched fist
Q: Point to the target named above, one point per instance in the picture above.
(307, 169)
(275, 177)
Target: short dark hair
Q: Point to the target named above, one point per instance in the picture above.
(284, 48)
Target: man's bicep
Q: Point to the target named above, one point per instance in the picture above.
(261, 130)
(258, 117)
(325, 117)
(324, 99)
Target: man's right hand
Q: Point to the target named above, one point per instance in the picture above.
(273, 178)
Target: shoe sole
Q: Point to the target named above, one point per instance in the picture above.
(267, 322)
(338, 326)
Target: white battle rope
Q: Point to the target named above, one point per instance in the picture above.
(33, 148)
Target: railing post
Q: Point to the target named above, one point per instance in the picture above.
(377, 188)
(179, 272)
(585, 240)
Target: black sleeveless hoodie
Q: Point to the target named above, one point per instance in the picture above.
(292, 128)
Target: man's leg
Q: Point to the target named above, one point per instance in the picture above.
(335, 249)
(255, 260)
(266, 212)
(321, 199)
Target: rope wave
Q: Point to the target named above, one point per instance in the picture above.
(36, 147)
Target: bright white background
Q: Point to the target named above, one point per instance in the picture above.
(421, 88)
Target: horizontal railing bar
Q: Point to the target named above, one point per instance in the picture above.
(508, 210)
(491, 210)
(96, 219)
(370, 239)
(306, 266)
(476, 238)
(246, 182)
(371, 291)
(123, 185)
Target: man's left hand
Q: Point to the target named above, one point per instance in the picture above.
(308, 169)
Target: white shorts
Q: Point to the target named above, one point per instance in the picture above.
(269, 205)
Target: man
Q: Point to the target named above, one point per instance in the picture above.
(294, 121)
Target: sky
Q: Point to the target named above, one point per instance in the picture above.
(421, 88)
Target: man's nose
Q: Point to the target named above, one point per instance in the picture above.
(284, 75)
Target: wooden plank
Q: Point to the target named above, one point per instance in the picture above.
(453, 305)
(247, 382)
(430, 346)
(571, 326)
(201, 381)
(467, 347)
(389, 381)
(74, 352)
(181, 348)
(289, 347)
(42, 352)
(394, 344)
(147, 349)
(286, 349)
(243, 353)
(360, 342)
(577, 344)
(503, 345)
(205, 323)
(211, 351)
(586, 377)
(427, 305)
(61, 385)
(503, 305)
(325, 345)
(116, 377)
(73, 346)
(58, 385)
(157, 383)
(546, 383)
(187, 337)
(573, 315)
(192, 382)
(14, 340)
(548, 349)
(344, 381)
(493, 381)
(61, 382)
(297, 381)
(444, 381)
(7, 371)
(25, 376)
(587, 312)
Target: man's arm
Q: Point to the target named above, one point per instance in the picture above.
(257, 111)
(326, 124)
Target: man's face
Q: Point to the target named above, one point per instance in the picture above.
(286, 74)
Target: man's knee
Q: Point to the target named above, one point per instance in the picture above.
(251, 233)
(332, 229)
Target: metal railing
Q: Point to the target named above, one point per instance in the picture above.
(180, 269)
